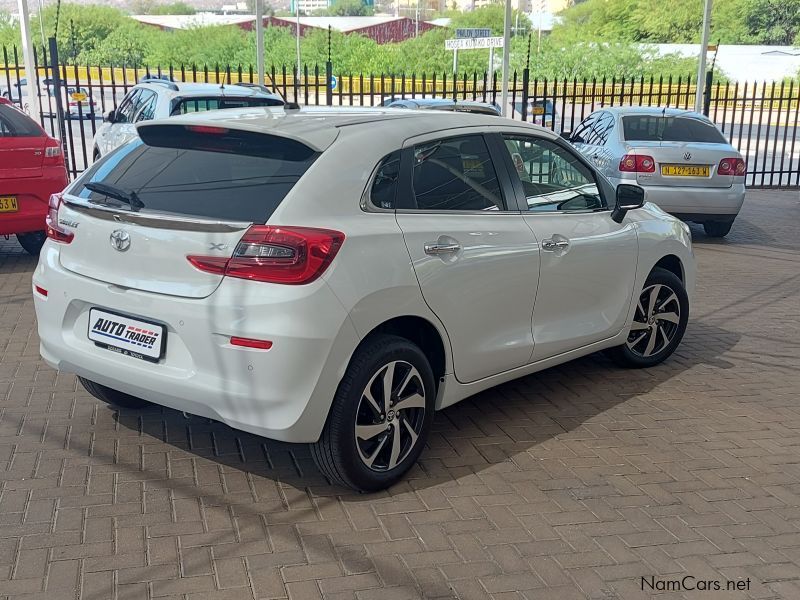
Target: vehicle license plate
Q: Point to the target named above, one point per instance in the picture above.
(132, 337)
(685, 170)
(537, 110)
(8, 204)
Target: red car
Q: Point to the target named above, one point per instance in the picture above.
(31, 168)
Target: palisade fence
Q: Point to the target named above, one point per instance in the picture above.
(759, 118)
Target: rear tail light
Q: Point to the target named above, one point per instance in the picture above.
(52, 152)
(637, 163)
(732, 166)
(54, 231)
(288, 255)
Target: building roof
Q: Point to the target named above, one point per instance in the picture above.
(345, 23)
(192, 21)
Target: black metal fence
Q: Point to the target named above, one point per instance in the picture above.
(759, 118)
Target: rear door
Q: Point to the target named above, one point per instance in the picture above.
(686, 150)
(476, 261)
(196, 202)
(22, 145)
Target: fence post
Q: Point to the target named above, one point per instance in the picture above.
(56, 77)
(707, 93)
(526, 76)
(329, 73)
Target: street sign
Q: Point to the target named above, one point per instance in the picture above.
(473, 32)
(473, 43)
(334, 82)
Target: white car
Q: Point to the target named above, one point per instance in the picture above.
(335, 276)
(157, 98)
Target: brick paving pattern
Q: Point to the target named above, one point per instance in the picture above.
(573, 483)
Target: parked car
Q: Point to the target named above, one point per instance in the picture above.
(540, 112)
(158, 98)
(336, 276)
(31, 169)
(680, 157)
(77, 101)
(470, 106)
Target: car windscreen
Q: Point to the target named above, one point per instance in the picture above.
(15, 123)
(193, 105)
(657, 128)
(204, 172)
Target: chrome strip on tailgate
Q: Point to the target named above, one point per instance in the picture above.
(155, 220)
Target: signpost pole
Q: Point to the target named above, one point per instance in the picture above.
(506, 57)
(701, 68)
(491, 61)
(455, 61)
(27, 55)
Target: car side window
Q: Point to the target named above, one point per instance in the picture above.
(146, 110)
(582, 130)
(602, 128)
(455, 174)
(383, 191)
(127, 108)
(552, 177)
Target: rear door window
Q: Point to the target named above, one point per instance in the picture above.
(193, 105)
(384, 186)
(231, 175)
(128, 107)
(15, 123)
(657, 128)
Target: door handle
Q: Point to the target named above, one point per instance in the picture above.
(440, 249)
(553, 245)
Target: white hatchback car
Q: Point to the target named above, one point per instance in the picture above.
(334, 277)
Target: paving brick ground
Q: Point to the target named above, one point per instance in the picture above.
(570, 484)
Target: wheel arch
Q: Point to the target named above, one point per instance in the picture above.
(673, 264)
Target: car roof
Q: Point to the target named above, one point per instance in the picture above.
(651, 110)
(319, 127)
(192, 90)
(434, 103)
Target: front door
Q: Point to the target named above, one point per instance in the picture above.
(477, 262)
(588, 262)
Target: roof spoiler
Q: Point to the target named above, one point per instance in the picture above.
(275, 90)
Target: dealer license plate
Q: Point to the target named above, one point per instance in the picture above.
(8, 204)
(685, 170)
(132, 337)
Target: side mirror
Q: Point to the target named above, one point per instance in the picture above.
(109, 116)
(629, 197)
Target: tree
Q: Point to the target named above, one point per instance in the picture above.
(153, 7)
(350, 8)
(774, 21)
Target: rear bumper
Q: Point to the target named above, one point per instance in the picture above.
(696, 202)
(283, 393)
(32, 195)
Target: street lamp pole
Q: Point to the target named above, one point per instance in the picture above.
(506, 58)
(27, 56)
(297, 15)
(260, 41)
(701, 68)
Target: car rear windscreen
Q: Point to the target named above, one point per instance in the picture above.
(656, 128)
(203, 172)
(193, 105)
(14, 123)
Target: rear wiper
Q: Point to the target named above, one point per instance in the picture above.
(116, 193)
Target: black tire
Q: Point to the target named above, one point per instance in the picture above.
(32, 242)
(717, 228)
(338, 452)
(109, 396)
(633, 353)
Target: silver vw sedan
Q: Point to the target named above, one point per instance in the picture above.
(680, 158)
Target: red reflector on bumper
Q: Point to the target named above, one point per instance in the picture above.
(249, 343)
(40, 290)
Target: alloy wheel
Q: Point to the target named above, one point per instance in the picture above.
(390, 416)
(657, 320)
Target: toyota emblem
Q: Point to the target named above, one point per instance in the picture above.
(120, 240)
(687, 156)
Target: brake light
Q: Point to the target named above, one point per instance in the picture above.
(732, 166)
(208, 129)
(637, 163)
(53, 152)
(288, 255)
(54, 231)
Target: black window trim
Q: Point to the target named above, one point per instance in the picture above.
(405, 203)
(519, 192)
